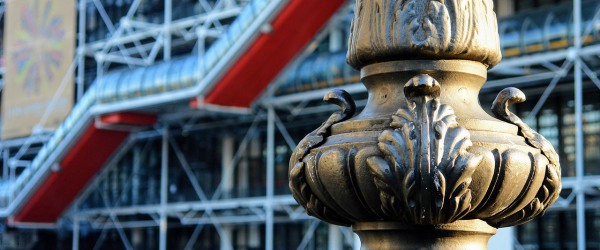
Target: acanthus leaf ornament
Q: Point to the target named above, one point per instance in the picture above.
(425, 158)
(424, 18)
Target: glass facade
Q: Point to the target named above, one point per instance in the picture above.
(556, 122)
(557, 229)
(206, 155)
(522, 5)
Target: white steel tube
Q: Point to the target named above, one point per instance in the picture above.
(270, 179)
(334, 240)
(6, 158)
(81, 49)
(167, 30)
(579, 157)
(164, 182)
(75, 242)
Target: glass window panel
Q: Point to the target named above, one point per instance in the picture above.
(522, 5)
(568, 139)
(528, 234)
(591, 130)
(593, 228)
(548, 126)
(569, 230)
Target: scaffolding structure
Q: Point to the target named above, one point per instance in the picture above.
(159, 186)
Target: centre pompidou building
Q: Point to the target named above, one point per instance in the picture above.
(185, 112)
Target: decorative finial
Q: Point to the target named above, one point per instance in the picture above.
(387, 30)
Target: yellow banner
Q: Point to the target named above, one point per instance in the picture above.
(39, 42)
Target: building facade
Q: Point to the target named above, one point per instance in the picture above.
(215, 176)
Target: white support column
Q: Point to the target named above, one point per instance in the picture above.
(579, 157)
(167, 30)
(357, 243)
(136, 180)
(243, 178)
(334, 238)
(227, 178)
(227, 153)
(227, 242)
(6, 159)
(164, 183)
(137, 238)
(241, 240)
(335, 39)
(75, 242)
(270, 179)
(80, 53)
(253, 236)
(99, 67)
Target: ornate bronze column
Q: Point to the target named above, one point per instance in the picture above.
(423, 166)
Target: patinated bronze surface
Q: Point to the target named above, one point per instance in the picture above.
(423, 166)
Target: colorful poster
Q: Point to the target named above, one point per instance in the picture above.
(39, 42)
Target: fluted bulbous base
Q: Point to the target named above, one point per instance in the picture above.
(462, 234)
(424, 152)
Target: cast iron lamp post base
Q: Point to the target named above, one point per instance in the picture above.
(423, 166)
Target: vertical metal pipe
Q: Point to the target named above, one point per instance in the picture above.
(226, 237)
(164, 182)
(577, 24)
(167, 30)
(356, 243)
(136, 181)
(270, 178)
(12, 175)
(579, 164)
(335, 39)
(579, 157)
(5, 158)
(227, 176)
(75, 242)
(99, 70)
(334, 240)
(80, 80)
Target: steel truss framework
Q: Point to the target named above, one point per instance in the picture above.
(206, 210)
(130, 42)
(133, 43)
